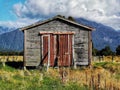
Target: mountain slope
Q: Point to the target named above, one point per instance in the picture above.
(103, 35)
(4, 29)
(12, 41)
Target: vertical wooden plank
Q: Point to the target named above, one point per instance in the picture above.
(64, 53)
(45, 49)
(61, 49)
(52, 50)
(61, 41)
(42, 46)
(70, 48)
(67, 50)
(89, 48)
(73, 52)
(55, 46)
(25, 33)
(61, 54)
(48, 52)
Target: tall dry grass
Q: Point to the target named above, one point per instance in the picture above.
(102, 76)
(94, 79)
(11, 58)
(106, 58)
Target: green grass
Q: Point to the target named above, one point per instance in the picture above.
(13, 79)
(107, 65)
(112, 67)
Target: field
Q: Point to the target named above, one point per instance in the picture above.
(103, 75)
(95, 58)
(106, 58)
(11, 58)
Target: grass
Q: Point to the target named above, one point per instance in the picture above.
(104, 74)
(12, 79)
(111, 66)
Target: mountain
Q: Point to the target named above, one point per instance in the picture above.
(12, 41)
(4, 29)
(102, 36)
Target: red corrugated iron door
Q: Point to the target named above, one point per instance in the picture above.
(57, 49)
(52, 49)
(45, 50)
(48, 49)
(65, 50)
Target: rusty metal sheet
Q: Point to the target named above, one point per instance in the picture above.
(62, 44)
(45, 49)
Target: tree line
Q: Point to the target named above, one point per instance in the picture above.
(95, 52)
(105, 51)
(11, 53)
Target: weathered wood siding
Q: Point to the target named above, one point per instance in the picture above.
(32, 48)
(33, 42)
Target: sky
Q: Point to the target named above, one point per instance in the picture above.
(20, 13)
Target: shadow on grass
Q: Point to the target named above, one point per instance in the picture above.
(18, 65)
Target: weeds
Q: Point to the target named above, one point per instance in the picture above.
(103, 76)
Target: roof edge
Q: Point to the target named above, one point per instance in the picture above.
(56, 17)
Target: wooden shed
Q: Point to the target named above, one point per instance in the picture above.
(57, 42)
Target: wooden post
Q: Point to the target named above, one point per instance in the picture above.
(48, 64)
(112, 58)
(89, 48)
(86, 77)
(93, 84)
(105, 85)
(98, 86)
(73, 52)
(69, 54)
(24, 58)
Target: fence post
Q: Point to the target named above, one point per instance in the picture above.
(98, 81)
(86, 77)
(93, 82)
(112, 58)
(105, 84)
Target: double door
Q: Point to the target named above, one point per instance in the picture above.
(57, 49)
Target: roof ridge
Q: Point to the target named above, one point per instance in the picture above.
(56, 17)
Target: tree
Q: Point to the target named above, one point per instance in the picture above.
(106, 51)
(118, 50)
(94, 50)
(71, 18)
(61, 16)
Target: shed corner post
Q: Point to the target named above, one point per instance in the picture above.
(90, 48)
(74, 59)
(48, 64)
(24, 57)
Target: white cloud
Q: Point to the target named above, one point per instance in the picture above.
(107, 39)
(103, 11)
(19, 23)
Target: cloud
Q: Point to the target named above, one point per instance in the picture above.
(107, 39)
(19, 23)
(103, 11)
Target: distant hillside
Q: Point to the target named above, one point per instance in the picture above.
(11, 41)
(4, 29)
(102, 36)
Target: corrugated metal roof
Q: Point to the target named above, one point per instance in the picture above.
(55, 18)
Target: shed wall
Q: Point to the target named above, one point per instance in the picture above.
(33, 42)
